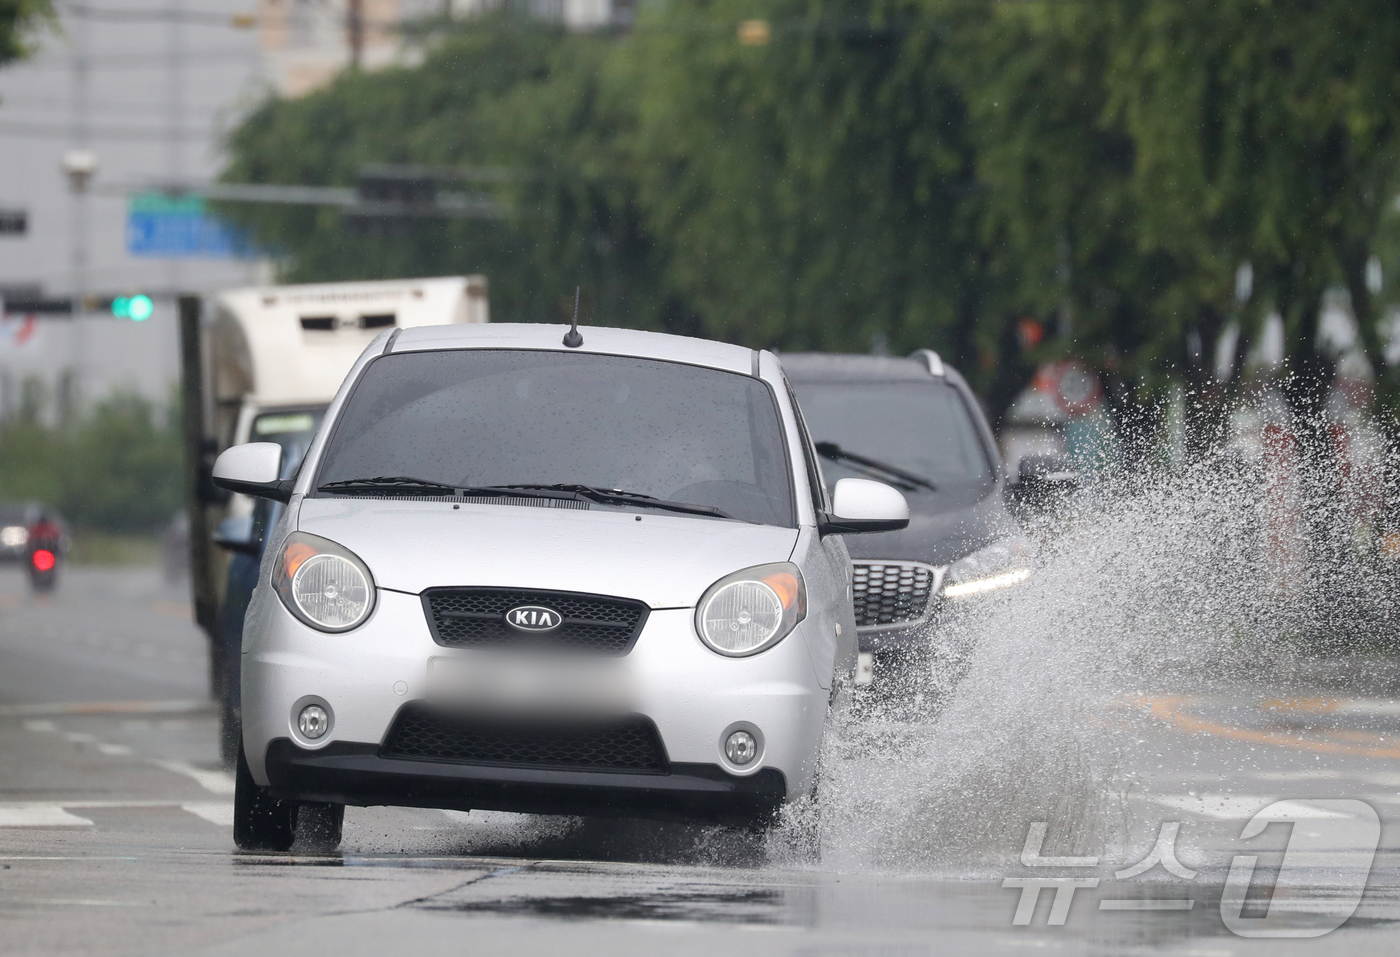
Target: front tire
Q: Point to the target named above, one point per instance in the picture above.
(260, 821)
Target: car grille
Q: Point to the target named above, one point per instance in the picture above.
(629, 743)
(476, 618)
(891, 593)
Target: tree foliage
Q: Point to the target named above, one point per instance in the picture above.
(117, 468)
(18, 20)
(910, 172)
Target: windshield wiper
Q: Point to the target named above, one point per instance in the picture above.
(566, 491)
(616, 496)
(907, 480)
(388, 483)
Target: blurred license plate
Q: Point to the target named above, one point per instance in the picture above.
(527, 683)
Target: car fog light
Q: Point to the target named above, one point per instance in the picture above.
(741, 748)
(313, 721)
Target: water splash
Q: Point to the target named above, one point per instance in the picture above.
(1145, 586)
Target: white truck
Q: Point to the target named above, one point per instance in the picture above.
(261, 364)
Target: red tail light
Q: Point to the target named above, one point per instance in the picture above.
(44, 559)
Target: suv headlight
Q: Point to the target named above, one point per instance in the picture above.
(998, 565)
(323, 584)
(748, 611)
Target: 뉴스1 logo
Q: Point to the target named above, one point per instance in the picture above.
(534, 618)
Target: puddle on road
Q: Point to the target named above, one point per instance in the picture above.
(755, 906)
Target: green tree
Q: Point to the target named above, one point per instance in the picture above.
(813, 190)
(116, 468)
(18, 21)
(499, 93)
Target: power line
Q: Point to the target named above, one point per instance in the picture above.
(154, 15)
(153, 60)
(51, 131)
(9, 103)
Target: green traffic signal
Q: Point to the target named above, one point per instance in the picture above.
(135, 308)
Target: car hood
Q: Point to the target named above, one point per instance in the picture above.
(943, 527)
(664, 560)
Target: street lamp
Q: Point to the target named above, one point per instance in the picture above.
(79, 166)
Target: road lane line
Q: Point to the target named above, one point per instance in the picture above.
(40, 815)
(105, 707)
(83, 805)
(73, 902)
(211, 811)
(71, 857)
(1170, 711)
(1238, 807)
(215, 782)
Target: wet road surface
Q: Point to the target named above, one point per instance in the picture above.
(115, 836)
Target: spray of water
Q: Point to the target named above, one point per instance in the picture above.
(1144, 586)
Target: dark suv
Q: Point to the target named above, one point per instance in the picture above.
(914, 424)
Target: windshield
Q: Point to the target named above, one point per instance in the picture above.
(499, 417)
(922, 428)
(293, 429)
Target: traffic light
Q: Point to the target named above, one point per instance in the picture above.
(135, 308)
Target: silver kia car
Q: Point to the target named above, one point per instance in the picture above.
(520, 569)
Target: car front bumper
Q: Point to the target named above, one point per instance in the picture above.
(366, 677)
(346, 773)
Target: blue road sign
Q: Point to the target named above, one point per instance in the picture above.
(180, 227)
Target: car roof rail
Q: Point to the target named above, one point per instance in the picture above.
(931, 359)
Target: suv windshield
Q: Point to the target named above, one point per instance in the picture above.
(921, 428)
(492, 418)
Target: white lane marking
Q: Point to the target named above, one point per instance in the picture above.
(40, 815)
(215, 782)
(1296, 775)
(76, 902)
(1232, 807)
(77, 737)
(211, 811)
(84, 857)
(85, 805)
(116, 750)
(52, 709)
(40, 725)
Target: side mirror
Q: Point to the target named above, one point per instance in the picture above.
(253, 469)
(860, 505)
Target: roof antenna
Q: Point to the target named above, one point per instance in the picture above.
(572, 339)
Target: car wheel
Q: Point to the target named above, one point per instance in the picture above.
(260, 821)
(319, 826)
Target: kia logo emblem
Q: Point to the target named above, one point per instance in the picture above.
(534, 618)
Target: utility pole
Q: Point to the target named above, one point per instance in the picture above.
(355, 30)
(175, 110)
(79, 164)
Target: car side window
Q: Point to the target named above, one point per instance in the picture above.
(809, 454)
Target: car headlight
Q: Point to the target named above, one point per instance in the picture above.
(323, 584)
(748, 611)
(998, 565)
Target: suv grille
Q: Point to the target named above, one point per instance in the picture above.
(891, 593)
(629, 743)
(476, 618)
